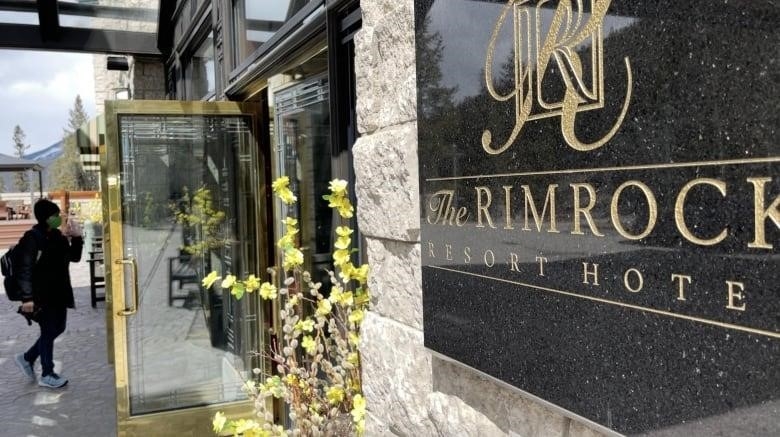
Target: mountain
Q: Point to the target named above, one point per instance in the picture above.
(45, 157)
(48, 154)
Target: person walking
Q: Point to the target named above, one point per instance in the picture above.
(44, 278)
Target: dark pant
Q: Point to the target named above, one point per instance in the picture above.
(52, 321)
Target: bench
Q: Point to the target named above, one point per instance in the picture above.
(181, 270)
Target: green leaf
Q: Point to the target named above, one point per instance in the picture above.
(238, 290)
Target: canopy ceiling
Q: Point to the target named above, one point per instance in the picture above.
(127, 27)
(10, 163)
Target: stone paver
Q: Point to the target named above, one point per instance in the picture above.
(86, 406)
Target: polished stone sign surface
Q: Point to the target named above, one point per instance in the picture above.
(600, 205)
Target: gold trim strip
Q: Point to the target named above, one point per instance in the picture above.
(622, 304)
(607, 169)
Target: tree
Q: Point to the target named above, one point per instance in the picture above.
(78, 116)
(67, 172)
(21, 181)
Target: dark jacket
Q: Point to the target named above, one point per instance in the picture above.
(46, 278)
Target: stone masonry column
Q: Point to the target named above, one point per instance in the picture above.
(409, 391)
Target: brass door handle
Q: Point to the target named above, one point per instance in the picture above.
(134, 267)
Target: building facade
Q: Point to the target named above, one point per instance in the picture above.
(395, 96)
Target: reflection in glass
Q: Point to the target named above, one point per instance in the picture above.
(200, 71)
(302, 124)
(255, 22)
(187, 194)
(18, 17)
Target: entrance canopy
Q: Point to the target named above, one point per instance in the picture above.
(10, 163)
(127, 27)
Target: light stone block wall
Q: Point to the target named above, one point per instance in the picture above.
(145, 79)
(411, 392)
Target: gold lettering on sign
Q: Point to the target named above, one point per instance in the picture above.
(680, 278)
(467, 255)
(440, 210)
(761, 214)
(549, 201)
(733, 296)
(586, 273)
(508, 206)
(448, 252)
(513, 262)
(579, 209)
(483, 209)
(652, 207)
(640, 280)
(430, 249)
(541, 260)
(679, 212)
(491, 256)
(573, 27)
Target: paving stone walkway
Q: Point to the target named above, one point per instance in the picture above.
(86, 406)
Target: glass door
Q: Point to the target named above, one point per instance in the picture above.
(304, 154)
(184, 190)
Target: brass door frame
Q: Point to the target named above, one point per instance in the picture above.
(189, 421)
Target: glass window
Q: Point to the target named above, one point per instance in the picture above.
(255, 22)
(200, 70)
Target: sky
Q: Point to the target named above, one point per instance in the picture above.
(38, 88)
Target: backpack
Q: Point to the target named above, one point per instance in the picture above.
(10, 261)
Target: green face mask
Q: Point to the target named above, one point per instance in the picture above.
(54, 221)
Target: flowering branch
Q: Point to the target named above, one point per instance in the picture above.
(317, 361)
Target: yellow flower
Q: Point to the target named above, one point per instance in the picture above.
(309, 345)
(245, 425)
(209, 280)
(292, 258)
(341, 203)
(335, 394)
(337, 295)
(252, 283)
(353, 358)
(219, 421)
(287, 196)
(228, 281)
(290, 222)
(354, 339)
(356, 316)
(293, 300)
(286, 241)
(324, 307)
(291, 380)
(267, 291)
(358, 408)
(338, 186)
(343, 231)
(305, 325)
(359, 274)
(280, 183)
(249, 386)
(346, 210)
(343, 242)
(340, 257)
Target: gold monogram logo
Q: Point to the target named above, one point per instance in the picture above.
(569, 29)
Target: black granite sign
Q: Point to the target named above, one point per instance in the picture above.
(600, 205)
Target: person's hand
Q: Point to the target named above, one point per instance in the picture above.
(28, 307)
(73, 228)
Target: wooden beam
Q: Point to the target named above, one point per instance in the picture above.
(72, 39)
(48, 20)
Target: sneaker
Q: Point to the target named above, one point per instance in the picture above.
(25, 366)
(52, 380)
